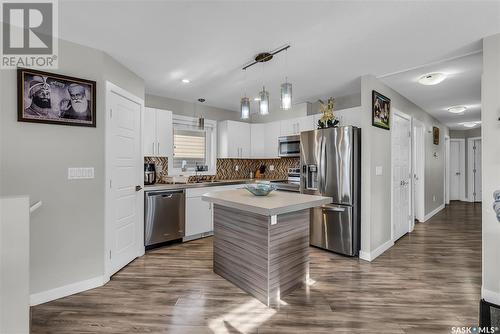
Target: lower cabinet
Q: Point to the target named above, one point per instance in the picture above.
(199, 214)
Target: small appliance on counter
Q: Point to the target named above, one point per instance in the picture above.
(149, 173)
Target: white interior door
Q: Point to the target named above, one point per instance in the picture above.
(457, 166)
(477, 192)
(401, 175)
(125, 203)
(419, 170)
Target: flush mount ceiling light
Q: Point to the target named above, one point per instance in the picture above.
(471, 124)
(256, 98)
(264, 102)
(457, 109)
(186, 81)
(432, 78)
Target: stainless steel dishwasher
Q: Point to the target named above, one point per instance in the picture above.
(163, 216)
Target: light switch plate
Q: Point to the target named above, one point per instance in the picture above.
(271, 168)
(378, 170)
(80, 173)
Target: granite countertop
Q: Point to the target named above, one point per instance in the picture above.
(275, 203)
(177, 186)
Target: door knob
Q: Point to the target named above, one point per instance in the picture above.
(457, 173)
(138, 188)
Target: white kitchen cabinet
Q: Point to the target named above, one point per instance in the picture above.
(234, 140)
(158, 133)
(198, 213)
(198, 216)
(271, 135)
(295, 126)
(257, 140)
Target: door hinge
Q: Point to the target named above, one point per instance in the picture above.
(409, 134)
(474, 170)
(110, 183)
(110, 113)
(474, 148)
(110, 254)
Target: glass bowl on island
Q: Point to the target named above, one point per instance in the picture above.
(260, 189)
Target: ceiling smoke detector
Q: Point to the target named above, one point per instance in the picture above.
(432, 78)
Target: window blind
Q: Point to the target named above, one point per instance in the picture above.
(189, 145)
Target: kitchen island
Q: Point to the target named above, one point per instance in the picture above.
(261, 244)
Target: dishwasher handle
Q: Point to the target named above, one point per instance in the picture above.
(165, 194)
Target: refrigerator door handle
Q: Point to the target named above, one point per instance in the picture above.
(333, 208)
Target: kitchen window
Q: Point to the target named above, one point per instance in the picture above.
(193, 146)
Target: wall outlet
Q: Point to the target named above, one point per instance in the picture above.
(378, 170)
(271, 168)
(80, 173)
(236, 168)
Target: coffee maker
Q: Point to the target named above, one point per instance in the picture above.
(149, 173)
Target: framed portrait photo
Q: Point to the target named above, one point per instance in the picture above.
(381, 111)
(55, 99)
(435, 135)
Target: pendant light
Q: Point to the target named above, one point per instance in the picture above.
(286, 95)
(264, 102)
(245, 108)
(201, 119)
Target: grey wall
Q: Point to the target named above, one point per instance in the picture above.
(465, 134)
(490, 113)
(341, 102)
(376, 151)
(67, 233)
(188, 108)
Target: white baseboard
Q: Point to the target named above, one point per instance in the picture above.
(66, 290)
(433, 213)
(370, 256)
(490, 296)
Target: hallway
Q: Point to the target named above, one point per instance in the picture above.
(427, 283)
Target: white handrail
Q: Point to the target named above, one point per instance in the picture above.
(35, 206)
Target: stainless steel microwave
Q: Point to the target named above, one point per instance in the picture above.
(289, 146)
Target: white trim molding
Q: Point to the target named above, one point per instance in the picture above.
(370, 256)
(66, 290)
(433, 213)
(490, 296)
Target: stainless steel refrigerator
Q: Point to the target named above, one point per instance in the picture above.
(330, 166)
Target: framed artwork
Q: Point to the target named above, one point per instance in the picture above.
(435, 135)
(381, 111)
(55, 99)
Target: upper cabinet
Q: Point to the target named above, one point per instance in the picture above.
(234, 139)
(158, 133)
(295, 126)
(271, 134)
(257, 140)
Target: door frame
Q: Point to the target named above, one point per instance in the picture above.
(461, 141)
(470, 167)
(447, 170)
(112, 88)
(417, 123)
(412, 220)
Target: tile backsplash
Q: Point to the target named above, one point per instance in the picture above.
(233, 169)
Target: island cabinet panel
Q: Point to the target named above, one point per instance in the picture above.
(263, 259)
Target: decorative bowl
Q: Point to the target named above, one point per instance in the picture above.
(260, 189)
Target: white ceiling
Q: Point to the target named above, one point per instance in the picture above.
(462, 86)
(333, 42)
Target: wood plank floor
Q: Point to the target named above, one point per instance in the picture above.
(427, 283)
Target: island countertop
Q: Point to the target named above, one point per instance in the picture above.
(276, 203)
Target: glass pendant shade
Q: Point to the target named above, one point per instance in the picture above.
(264, 102)
(245, 108)
(286, 96)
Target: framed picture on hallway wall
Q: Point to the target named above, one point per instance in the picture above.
(435, 135)
(381, 111)
(55, 99)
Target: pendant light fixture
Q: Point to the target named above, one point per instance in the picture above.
(286, 95)
(245, 108)
(201, 119)
(264, 102)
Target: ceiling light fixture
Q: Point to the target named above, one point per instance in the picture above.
(264, 102)
(245, 108)
(432, 78)
(186, 81)
(457, 109)
(256, 98)
(471, 124)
